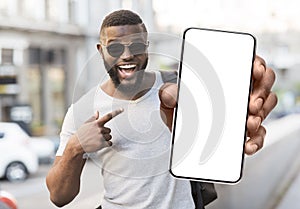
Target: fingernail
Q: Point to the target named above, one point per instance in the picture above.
(96, 114)
(259, 103)
(258, 122)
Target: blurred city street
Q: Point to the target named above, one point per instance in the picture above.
(265, 184)
(33, 194)
(49, 59)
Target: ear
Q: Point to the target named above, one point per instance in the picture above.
(99, 48)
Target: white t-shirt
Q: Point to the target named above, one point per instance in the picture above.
(135, 168)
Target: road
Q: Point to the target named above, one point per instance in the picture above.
(33, 193)
(271, 177)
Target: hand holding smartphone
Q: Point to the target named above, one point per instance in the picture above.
(209, 127)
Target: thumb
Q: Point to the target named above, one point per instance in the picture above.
(96, 115)
(168, 95)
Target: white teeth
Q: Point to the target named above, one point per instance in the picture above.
(127, 66)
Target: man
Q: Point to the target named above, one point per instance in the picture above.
(120, 122)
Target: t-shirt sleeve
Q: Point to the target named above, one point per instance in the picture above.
(76, 115)
(67, 130)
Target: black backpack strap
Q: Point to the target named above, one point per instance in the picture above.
(203, 193)
(196, 194)
(208, 192)
(169, 76)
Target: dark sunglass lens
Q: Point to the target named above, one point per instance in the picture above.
(115, 50)
(137, 48)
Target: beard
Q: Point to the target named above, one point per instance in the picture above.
(113, 74)
(126, 88)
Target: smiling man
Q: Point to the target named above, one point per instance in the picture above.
(123, 49)
(126, 121)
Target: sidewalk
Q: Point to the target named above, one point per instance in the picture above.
(288, 189)
(292, 196)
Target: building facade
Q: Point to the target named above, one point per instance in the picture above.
(48, 56)
(46, 47)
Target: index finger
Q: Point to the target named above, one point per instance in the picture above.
(101, 121)
(262, 87)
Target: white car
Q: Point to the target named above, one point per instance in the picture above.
(20, 154)
(17, 160)
(44, 148)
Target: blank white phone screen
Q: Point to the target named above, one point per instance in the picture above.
(209, 127)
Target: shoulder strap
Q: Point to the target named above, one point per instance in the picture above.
(203, 193)
(169, 76)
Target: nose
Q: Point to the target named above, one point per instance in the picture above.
(126, 54)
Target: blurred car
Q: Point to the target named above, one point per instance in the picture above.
(55, 140)
(20, 154)
(17, 160)
(44, 148)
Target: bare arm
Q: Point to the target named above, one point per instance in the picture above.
(63, 179)
(167, 96)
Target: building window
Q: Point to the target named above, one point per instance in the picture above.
(7, 56)
(8, 74)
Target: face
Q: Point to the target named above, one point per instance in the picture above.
(125, 55)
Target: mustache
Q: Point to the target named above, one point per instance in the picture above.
(113, 71)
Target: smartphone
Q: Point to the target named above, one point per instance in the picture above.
(214, 85)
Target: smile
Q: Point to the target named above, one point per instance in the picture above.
(127, 70)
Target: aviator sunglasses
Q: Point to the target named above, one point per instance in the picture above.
(117, 49)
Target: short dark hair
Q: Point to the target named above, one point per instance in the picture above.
(122, 17)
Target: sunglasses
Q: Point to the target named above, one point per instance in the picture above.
(117, 49)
